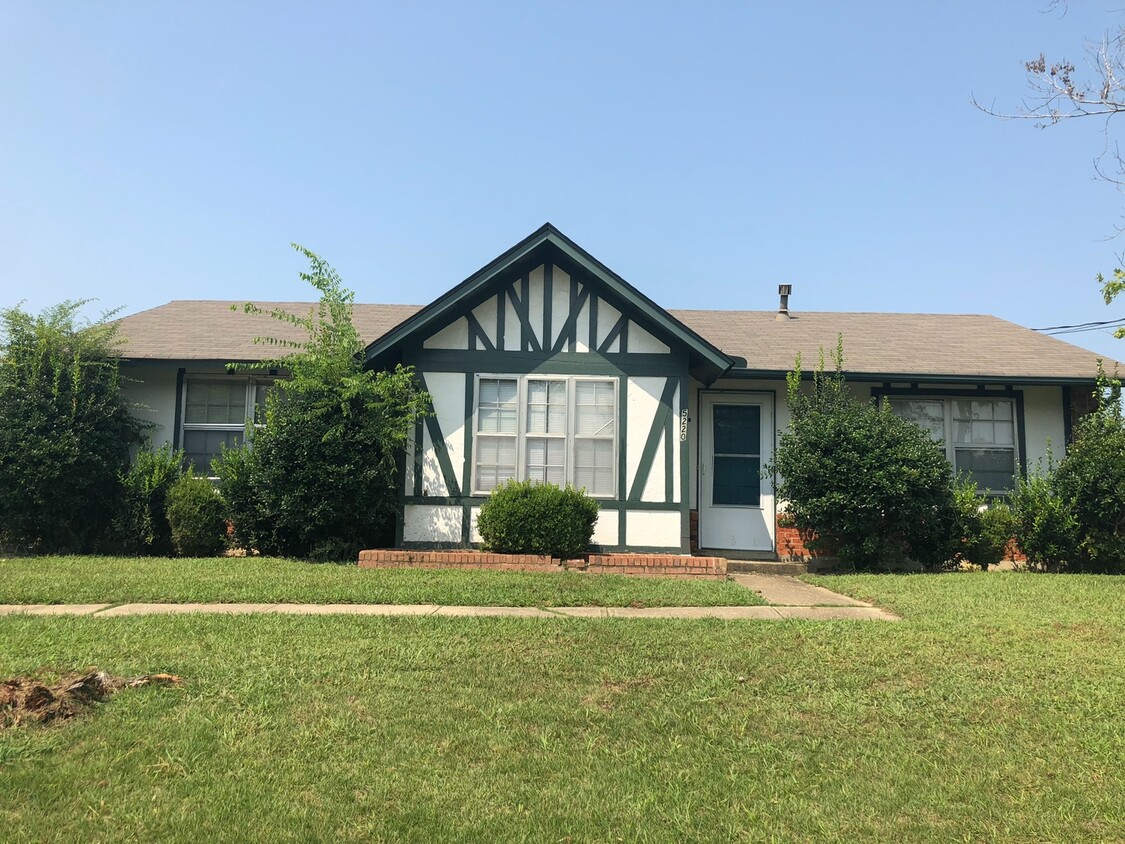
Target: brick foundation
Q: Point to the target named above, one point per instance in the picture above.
(791, 543)
(405, 559)
(662, 565)
(650, 565)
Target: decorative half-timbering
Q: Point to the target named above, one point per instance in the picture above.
(547, 366)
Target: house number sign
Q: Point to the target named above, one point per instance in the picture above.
(683, 425)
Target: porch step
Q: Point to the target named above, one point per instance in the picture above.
(766, 567)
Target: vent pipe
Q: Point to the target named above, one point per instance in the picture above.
(783, 311)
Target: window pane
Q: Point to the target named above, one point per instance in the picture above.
(260, 393)
(496, 461)
(216, 402)
(546, 460)
(496, 406)
(973, 422)
(990, 468)
(546, 407)
(594, 408)
(594, 468)
(737, 428)
(736, 481)
(201, 447)
(927, 414)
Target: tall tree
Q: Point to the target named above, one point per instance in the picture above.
(317, 480)
(65, 429)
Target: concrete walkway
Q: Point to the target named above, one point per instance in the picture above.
(783, 590)
(788, 598)
(778, 613)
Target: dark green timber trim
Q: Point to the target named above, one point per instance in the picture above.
(571, 330)
(528, 341)
(569, 335)
(619, 328)
(622, 446)
(419, 443)
(470, 442)
(656, 432)
(548, 302)
(477, 332)
(593, 322)
(548, 246)
(1068, 416)
(669, 456)
(447, 500)
(501, 312)
(685, 469)
(562, 363)
(915, 378)
(437, 441)
(178, 419)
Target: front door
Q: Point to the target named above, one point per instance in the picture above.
(736, 507)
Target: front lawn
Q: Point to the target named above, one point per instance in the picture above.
(991, 712)
(76, 580)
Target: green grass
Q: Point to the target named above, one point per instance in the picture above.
(76, 580)
(991, 712)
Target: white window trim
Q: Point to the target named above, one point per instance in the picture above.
(521, 424)
(948, 442)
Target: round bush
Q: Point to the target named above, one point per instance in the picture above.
(197, 517)
(532, 518)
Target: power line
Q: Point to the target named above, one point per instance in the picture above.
(1082, 326)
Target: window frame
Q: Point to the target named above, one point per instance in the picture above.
(947, 398)
(250, 407)
(522, 434)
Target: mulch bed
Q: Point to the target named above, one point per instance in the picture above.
(27, 699)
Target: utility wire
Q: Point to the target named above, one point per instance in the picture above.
(1081, 326)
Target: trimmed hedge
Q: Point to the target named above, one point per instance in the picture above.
(197, 517)
(524, 517)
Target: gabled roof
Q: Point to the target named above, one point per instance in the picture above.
(963, 347)
(706, 361)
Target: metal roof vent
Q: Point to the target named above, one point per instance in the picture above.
(784, 290)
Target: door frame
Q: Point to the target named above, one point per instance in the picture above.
(768, 398)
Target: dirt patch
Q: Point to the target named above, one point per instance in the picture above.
(27, 699)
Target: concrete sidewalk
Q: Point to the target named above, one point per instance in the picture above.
(776, 613)
(783, 590)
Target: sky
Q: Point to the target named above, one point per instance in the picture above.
(706, 152)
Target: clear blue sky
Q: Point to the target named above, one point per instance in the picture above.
(706, 152)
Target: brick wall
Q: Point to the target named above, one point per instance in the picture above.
(653, 565)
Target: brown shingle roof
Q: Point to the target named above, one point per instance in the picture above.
(964, 345)
(894, 344)
(210, 330)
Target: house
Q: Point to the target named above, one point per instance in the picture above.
(546, 364)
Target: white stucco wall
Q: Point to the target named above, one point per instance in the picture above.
(1044, 424)
(151, 388)
(431, 523)
(652, 528)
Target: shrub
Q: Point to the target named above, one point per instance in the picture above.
(873, 488)
(141, 524)
(982, 528)
(318, 478)
(525, 517)
(1091, 481)
(196, 516)
(65, 429)
(1046, 529)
